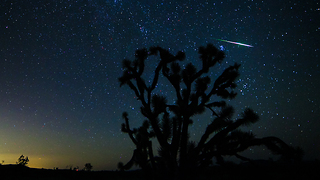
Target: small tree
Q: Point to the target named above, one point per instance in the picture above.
(169, 122)
(23, 160)
(87, 167)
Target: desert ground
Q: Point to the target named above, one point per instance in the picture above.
(246, 171)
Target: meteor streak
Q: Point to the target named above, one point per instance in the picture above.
(232, 42)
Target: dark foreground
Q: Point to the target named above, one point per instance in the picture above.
(259, 170)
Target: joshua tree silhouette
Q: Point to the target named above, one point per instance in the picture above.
(23, 161)
(169, 123)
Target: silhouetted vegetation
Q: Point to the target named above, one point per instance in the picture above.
(265, 170)
(88, 167)
(23, 161)
(168, 123)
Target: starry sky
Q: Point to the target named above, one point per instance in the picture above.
(60, 99)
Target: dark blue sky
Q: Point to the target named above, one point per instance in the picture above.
(60, 100)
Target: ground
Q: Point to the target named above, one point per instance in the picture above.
(247, 171)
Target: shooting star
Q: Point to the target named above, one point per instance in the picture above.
(237, 43)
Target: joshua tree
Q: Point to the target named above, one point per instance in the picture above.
(23, 160)
(169, 122)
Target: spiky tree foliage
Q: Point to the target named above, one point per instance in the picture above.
(169, 123)
(23, 161)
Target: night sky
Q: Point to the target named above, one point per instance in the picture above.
(61, 102)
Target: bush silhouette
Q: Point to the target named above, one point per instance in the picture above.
(88, 167)
(178, 157)
(23, 161)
